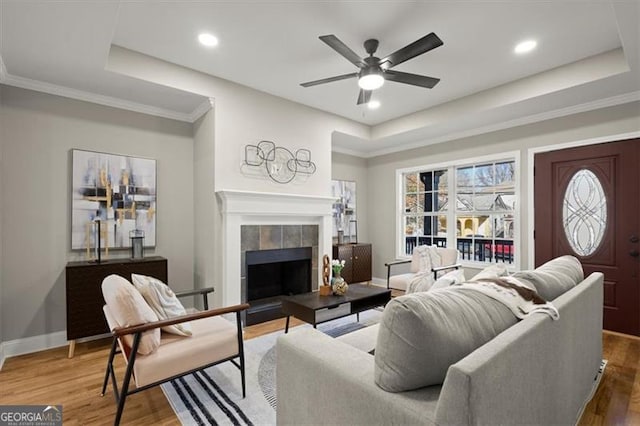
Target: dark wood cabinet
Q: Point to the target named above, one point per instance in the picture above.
(84, 291)
(357, 258)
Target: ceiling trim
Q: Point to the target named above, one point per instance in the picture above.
(81, 95)
(201, 109)
(535, 118)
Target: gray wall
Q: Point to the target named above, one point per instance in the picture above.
(39, 130)
(347, 167)
(2, 141)
(381, 170)
(205, 206)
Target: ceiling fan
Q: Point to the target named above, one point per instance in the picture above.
(374, 71)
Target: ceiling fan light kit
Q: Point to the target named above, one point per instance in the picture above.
(370, 79)
(374, 71)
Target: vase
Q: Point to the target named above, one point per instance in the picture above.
(338, 285)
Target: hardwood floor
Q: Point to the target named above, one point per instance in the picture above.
(49, 377)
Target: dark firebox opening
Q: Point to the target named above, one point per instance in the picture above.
(272, 274)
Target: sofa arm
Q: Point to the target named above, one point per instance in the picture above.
(321, 380)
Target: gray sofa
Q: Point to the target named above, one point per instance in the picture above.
(538, 371)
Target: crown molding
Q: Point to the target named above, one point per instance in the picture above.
(351, 152)
(201, 109)
(110, 101)
(535, 118)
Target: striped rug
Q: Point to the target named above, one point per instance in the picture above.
(214, 396)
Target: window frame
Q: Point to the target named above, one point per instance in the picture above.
(451, 212)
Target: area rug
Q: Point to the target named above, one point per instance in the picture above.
(214, 396)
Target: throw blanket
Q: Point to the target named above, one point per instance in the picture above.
(427, 258)
(520, 299)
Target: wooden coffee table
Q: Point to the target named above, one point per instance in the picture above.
(315, 309)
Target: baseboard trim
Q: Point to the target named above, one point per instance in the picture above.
(32, 344)
(379, 281)
(1, 352)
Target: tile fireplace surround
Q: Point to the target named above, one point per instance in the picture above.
(276, 220)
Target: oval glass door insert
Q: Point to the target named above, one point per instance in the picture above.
(584, 212)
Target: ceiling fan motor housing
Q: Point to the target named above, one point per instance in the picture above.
(371, 45)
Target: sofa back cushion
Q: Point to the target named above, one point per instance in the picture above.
(422, 334)
(554, 277)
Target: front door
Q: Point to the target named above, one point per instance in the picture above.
(587, 204)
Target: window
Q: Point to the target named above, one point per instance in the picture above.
(471, 206)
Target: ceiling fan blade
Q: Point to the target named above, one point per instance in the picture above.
(329, 80)
(418, 47)
(414, 79)
(364, 96)
(335, 43)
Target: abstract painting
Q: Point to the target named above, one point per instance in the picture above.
(118, 190)
(344, 209)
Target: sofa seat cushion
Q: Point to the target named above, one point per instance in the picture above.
(553, 278)
(401, 281)
(364, 339)
(212, 339)
(422, 334)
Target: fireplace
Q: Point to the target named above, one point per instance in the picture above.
(267, 221)
(272, 274)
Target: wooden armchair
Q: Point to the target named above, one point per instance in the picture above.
(449, 258)
(214, 340)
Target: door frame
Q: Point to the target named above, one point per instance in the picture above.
(531, 152)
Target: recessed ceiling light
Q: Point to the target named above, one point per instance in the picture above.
(208, 40)
(525, 46)
(373, 104)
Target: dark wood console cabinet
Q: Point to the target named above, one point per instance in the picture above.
(84, 293)
(357, 258)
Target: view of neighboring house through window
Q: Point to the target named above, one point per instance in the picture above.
(469, 206)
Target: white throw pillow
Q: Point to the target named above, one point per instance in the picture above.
(449, 279)
(163, 301)
(129, 308)
(493, 271)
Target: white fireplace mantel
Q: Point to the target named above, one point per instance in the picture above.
(268, 203)
(266, 208)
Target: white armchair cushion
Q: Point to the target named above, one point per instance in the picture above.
(129, 308)
(163, 301)
(400, 281)
(213, 339)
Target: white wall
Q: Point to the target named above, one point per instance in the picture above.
(247, 116)
(347, 167)
(381, 170)
(39, 130)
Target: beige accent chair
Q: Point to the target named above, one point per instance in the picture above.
(214, 340)
(448, 256)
